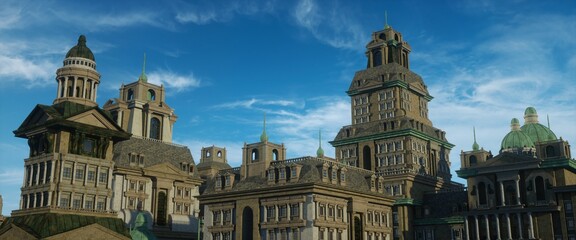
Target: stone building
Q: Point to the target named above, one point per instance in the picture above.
(390, 166)
(97, 167)
(152, 174)
(68, 174)
(527, 191)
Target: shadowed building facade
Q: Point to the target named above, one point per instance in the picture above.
(390, 165)
(527, 191)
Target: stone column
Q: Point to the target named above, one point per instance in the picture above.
(97, 180)
(65, 87)
(37, 179)
(487, 226)
(502, 195)
(276, 213)
(477, 227)
(52, 163)
(44, 173)
(74, 86)
(301, 209)
(288, 211)
(518, 191)
(84, 88)
(265, 213)
(59, 88)
(466, 229)
(509, 229)
(49, 203)
(531, 229)
(74, 164)
(497, 226)
(95, 90)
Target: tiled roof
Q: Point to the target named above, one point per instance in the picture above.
(50, 224)
(154, 152)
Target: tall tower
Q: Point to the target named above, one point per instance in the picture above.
(142, 111)
(78, 79)
(69, 168)
(391, 133)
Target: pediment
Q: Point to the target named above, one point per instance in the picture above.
(95, 231)
(93, 118)
(37, 117)
(163, 169)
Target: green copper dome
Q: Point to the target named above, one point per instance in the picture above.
(81, 50)
(516, 138)
(536, 131)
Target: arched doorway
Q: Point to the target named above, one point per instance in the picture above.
(357, 228)
(161, 210)
(247, 223)
(367, 158)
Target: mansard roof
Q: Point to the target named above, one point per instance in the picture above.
(357, 179)
(387, 75)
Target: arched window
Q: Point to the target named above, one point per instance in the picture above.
(540, 192)
(130, 94)
(396, 37)
(155, 128)
(151, 95)
(219, 154)
(377, 58)
(472, 160)
(482, 193)
(550, 151)
(254, 154)
(382, 36)
(275, 155)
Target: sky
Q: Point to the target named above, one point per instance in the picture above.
(226, 63)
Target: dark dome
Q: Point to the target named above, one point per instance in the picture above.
(81, 50)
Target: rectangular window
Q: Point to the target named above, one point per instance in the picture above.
(67, 172)
(91, 175)
(271, 212)
(89, 203)
(103, 176)
(322, 209)
(132, 185)
(80, 173)
(295, 234)
(330, 211)
(64, 202)
(101, 204)
(216, 220)
(282, 211)
(48, 171)
(141, 186)
(227, 216)
(294, 210)
(41, 174)
(77, 203)
(340, 212)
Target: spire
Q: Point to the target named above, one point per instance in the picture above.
(264, 137)
(320, 151)
(386, 26)
(475, 146)
(548, 119)
(143, 77)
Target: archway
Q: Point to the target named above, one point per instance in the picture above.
(247, 223)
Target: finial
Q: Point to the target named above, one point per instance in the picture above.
(475, 146)
(548, 119)
(264, 137)
(386, 26)
(320, 151)
(143, 77)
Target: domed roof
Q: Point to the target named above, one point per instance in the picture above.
(516, 138)
(81, 50)
(536, 131)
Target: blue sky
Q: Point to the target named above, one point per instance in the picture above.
(225, 63)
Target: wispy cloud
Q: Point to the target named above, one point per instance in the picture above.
(174, 80)
(254, 103)
(33, 72)
(490, 83)
(330, 24)
(210, 12)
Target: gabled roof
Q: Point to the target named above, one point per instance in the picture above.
(73, 115)
(50, 224)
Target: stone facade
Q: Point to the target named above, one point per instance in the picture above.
(527, 191)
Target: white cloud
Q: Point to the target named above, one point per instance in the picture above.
(174, 80)
(34, 72)
(9, 16)
(330, 24)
